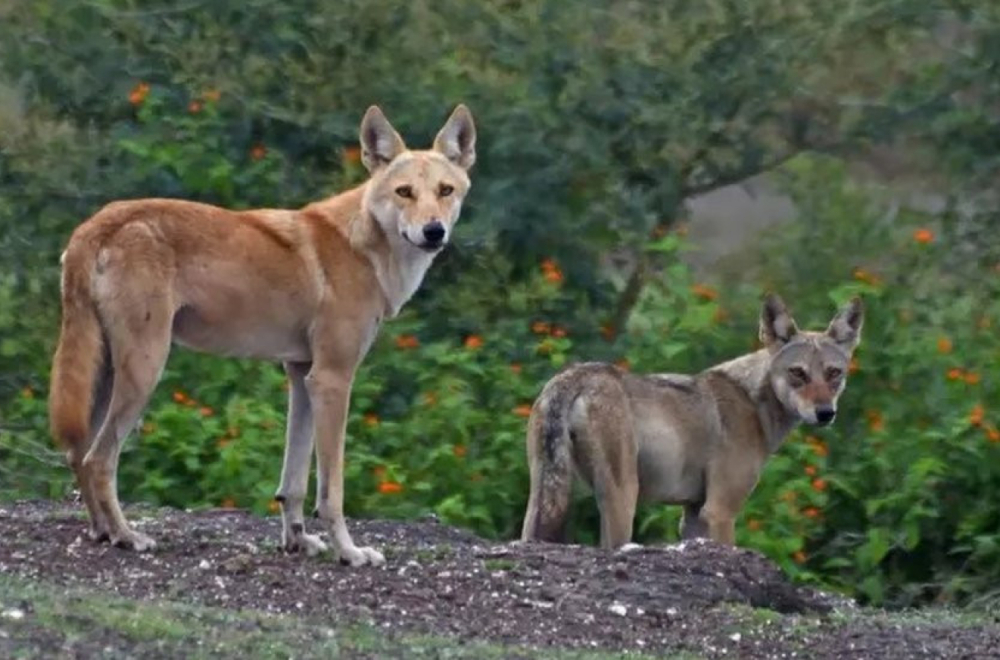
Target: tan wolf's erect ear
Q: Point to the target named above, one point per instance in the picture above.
(777, 326)
(457, 138)
(380, 142)
(845, 328)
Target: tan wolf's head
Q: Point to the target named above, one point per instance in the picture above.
(417, 195)
(808, 370)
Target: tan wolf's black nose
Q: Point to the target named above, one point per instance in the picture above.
(434, 232)
(825, 414)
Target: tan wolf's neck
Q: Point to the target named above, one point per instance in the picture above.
(399, 266)
(750, 372)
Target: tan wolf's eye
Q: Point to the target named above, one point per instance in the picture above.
(445, 190)
(798, 374)
(406, 192)
(833, 373)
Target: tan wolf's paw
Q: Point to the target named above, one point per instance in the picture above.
(307, 543)
(98, 534)
(360, 556)
(131, 540)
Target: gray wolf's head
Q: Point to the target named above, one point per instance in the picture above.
(808, 370)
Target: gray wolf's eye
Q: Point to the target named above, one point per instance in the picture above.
(798, 374)
(406, 192)
(444, 190)
(833, 373)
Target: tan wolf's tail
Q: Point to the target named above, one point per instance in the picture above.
(550, 458)
(79, 357)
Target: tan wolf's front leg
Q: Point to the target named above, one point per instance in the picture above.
(329, 394)
(295, 470)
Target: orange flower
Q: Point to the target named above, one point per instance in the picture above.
(976, 415)
(206, 411)
(258, 151)
(992, 434)
(212, 95)
(853, 367)
(515, 367)
(540, 328)
(407, 341)
(923, 236)
(818, 446)
(799, 557)
(223, 443)
(523, 410)
(558, 332)
(954, 374)
(551, 272)
(390, 487)
(28, 393)
(944, 345)
(819, 484)
(623, 364)
(704, 292)
(352, 155)
(194, 107)
(753, 524)
(810, 470)
(875, 421)
(371, 419)
(810, 512)
(458, 451)
(228, 503)
(180, 397)
(473, 342)
(138, 93)
(274, 506)
(608, 332)
(430, 398)
(972, 378)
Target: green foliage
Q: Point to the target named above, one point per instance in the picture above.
(595, 125)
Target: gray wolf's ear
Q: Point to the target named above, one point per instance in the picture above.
(457, 138)
(777, 326)
(380, 142)
(845, 328)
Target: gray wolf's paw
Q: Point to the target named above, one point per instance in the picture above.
(132, 540)
(360, 556)
(307, 543)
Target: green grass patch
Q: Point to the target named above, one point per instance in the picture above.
(84, 622)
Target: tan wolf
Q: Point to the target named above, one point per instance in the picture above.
(700, 441)
(308, 287)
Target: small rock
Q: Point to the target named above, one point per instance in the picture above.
(13, 614)
(618, 608)
(736, 637)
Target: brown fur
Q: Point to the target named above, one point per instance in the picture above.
(700, 441)
(307, 287)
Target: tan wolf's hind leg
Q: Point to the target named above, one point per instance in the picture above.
(138, 325)
(76, 454)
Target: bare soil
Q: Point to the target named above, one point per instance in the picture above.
(696, 599)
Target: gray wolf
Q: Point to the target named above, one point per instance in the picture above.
(700, 441)
(307, 287)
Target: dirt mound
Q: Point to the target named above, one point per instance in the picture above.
(697, 596)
